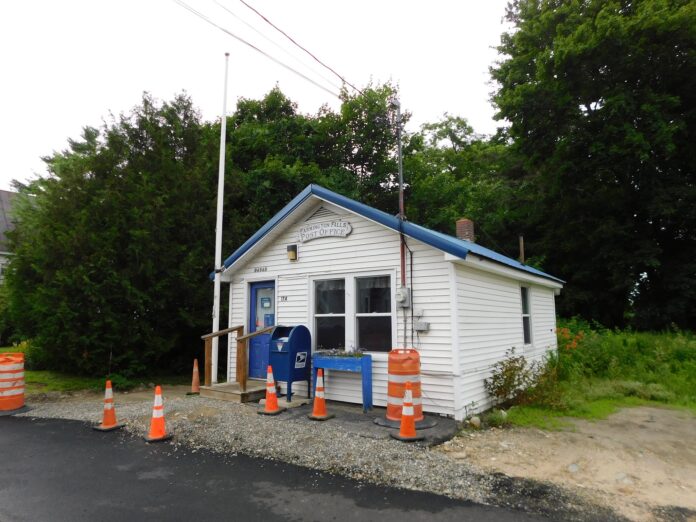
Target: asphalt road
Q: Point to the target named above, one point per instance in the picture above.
(54, 470)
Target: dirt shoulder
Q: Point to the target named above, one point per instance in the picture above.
(640, 461)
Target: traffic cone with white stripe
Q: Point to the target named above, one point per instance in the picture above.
(319, 411)
(158, 431)
(195, 380)
(271, 404)
(407, 432)
(109, 422)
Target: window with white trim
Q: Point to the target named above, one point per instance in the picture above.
(353, 311)
(330, 314)
(526, 315)
(373, 316)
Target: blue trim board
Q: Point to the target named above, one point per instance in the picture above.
(449, 244)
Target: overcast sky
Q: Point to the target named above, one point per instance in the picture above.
(69, 63)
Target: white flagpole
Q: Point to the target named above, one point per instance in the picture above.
(218, 229)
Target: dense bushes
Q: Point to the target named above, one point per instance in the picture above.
(643, 362)
(595, 364)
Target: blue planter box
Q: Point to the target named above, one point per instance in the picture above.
(362, 365)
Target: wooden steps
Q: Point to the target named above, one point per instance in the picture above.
(230, 391)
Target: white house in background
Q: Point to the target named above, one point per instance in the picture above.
(6, 224)
(469, 305)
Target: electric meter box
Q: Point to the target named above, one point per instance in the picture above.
(403, 297)
(290, 354)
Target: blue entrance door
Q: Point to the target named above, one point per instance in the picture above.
(261, 315)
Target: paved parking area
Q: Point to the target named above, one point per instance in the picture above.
(58, 470)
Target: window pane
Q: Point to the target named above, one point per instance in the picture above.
(374, 295)
(526, 326)
(525, 300)
(265, 308)
(331, 332)
(374, 333)
(330, 296)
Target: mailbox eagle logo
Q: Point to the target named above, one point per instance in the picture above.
(300, 359)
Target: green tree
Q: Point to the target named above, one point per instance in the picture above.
(108, 246)
(114, 247)
(600, 96)
(454, 173)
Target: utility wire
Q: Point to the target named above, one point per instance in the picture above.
(298, 45)
(278, 46)
(291, 69)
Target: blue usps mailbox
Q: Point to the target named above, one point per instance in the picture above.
(290, 355)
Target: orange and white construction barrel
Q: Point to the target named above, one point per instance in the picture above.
(403, 366)
(11, 383)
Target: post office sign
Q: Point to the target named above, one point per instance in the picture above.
(338, 228)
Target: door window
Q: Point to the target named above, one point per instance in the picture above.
(265, 308)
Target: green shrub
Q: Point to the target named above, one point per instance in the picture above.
(120, 383)
(657, 392)
(511, 379)
(33, 359)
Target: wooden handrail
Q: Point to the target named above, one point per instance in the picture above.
(254, 334)
(242, 369)
(242, 363)
(222, 332)
(208, 338)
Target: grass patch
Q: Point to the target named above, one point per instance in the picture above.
(48, 381)
(9, 349)
(42, 381)
(551, 419)
(536, 417)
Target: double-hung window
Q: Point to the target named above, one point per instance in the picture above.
(330, 313)
(526, 316)
(353, 312)
(373, 313)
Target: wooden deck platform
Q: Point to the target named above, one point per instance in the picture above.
(230, 391)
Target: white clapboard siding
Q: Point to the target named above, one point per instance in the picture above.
(370, 248)
(489, 323)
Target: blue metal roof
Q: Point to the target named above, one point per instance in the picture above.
(449, 244)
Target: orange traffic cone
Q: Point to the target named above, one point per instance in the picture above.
(158, 431)
(195, 380)
(109, 419)
(407, 432)
(271, 407)
(319, 411)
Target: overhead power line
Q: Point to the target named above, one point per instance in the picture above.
(278, 46)
(242, 40)
(298, 45)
